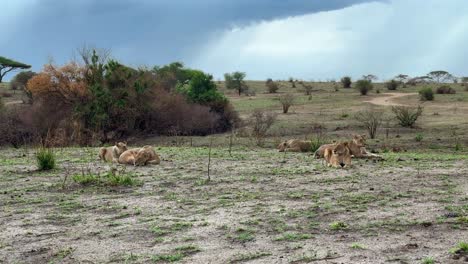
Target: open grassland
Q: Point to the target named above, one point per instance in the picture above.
(260, 206)
(444, 120)
(10, 96)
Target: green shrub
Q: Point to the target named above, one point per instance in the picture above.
(428, 260)
(45, 159)
(86, 179)
(111, 178)
(364, 86)
(419, 137)
(445, 89)
(346, 81)
(426, 94)
(461, 248)
(392, 85)
(407, 116)
(338, 225)
(120, 180)
(316, 142)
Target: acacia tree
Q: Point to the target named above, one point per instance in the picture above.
(235, 81)
(8, 65)
(440, 76)
(370, 77)
(401, 78)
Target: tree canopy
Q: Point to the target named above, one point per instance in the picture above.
(440, 76)
(235, 81)
(8, 65)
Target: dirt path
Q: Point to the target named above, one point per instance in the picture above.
(387, 99)
(14, 102)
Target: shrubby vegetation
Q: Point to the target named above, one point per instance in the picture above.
(103, 100)
(392, 85)
(426, 94)
(45, 159)
(286, 100)
(364, 86)
(271, 86)
(445, 89)
(407, 116)
(235, 81)
(346, 81)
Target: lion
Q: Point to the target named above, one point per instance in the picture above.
(356, 147)
(338, 155)
(140, 156)
(147, 155)
(112, 154)
(295, 145)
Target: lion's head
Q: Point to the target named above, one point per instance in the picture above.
(338, 155)
(121, 147)
(282, 146)
(145, 154)
(359, 140)
(141, 158)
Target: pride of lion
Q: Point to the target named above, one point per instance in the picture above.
(336, 155)
(135, 156)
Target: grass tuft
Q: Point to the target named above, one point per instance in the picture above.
(45, 158)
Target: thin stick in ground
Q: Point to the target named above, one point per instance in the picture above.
(209, 159)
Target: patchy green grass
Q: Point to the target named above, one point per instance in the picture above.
(254, 200)
(244, 257)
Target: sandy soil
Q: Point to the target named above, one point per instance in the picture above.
(388, 99)
(260, 206)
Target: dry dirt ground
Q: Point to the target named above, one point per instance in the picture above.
(387, 99)
(260, 206)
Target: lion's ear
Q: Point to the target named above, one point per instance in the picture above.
(345, 143)
(364, 136)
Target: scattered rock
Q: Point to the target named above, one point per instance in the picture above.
(451, 215)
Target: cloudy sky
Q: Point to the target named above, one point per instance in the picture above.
(307, 39)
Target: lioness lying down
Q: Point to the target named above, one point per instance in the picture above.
(294, 145)
(357, 148)
(112, 154)
(140, 156)
(338, 155)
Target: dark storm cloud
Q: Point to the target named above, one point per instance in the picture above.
(138, 32)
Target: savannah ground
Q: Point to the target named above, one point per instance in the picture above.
(260, 206)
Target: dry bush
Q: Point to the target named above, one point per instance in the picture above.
(407, 116)
(172, 112)
(392, 85)
(286, 100)
(371, 119)
(445, 89)
(66, 83)
(364, 86)
(272, 86)
(14, 132)
(260, 123)
(308, 88)
(105, 100)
